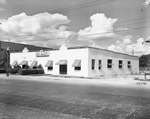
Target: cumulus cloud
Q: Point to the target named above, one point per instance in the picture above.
(146, 3)
(101, 26)
(24, 24)
(126, 46)
(47, 29)
(44, 25)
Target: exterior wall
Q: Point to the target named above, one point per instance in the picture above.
(70, 55)
(23, 56)
(85, 55)
(104, 55)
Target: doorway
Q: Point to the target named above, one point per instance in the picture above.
(63, 69)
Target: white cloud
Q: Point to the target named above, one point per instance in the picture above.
(51, 29)
(44, 25)
(101, 26)
(126, 41)
(146, 3)
(33, 24)
(139, 47)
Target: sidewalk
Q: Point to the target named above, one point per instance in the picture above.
(118, 80)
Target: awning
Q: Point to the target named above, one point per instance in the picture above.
(24, 63)
(15, 63)
(33, 64)
(49, 63)
(77, 63)
(62, 62)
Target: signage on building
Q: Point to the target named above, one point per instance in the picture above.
(42, 54)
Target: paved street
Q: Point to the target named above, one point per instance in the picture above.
(31, 99)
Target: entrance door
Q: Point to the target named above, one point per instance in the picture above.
(63, 69)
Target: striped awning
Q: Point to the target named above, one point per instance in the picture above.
(77, 63)
(33, 64)
(49, 63)
(62, 62)
(15, 63)
(24, 63)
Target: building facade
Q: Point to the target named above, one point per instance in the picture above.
(79, 61)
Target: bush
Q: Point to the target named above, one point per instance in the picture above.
(30, 71)
(15, 69)
(2, 70)
(40, 66)
(26, 67)
(18, 67)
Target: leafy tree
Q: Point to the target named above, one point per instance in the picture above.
(143, 61)
(3, 58)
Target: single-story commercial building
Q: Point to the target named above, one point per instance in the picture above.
(79, 61)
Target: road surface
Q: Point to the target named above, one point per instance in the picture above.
(31, 99)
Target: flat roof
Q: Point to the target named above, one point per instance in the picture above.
(81, 47)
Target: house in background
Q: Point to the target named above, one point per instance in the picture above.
(79, 61)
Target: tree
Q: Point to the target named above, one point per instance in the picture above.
(3, 58)
(143, 61)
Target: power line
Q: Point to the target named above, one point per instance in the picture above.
(117, 31)
(68, 9)
(83, 5)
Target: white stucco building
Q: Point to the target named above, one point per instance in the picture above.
(79, 61)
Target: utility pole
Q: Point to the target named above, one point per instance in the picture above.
(0, 41)
(7, 63)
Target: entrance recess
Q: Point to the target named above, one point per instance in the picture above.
(63, 69)
(62, 66)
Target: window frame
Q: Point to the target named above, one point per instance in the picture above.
(93, 64)
(129, 64)
(99, 64)
(77, 68)
(120, 64)
(50, 68)
(109, 64)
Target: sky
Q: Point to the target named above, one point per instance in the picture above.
(117, 25)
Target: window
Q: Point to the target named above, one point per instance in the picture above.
(129, 64)
(77, 68)
(99, 64)
(77, 65)
(109, 63)
(49, 65)
(50, 68)
(120, 64)
(93, 64)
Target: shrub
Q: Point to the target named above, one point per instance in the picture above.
(26, 67)
(30, 71)
(2, 70)
(40, 66)
(18, 67)
(15, 69)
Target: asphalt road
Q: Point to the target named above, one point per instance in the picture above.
(25, 99)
